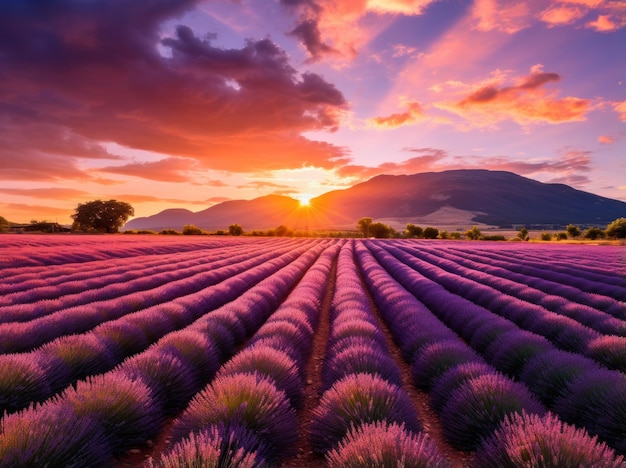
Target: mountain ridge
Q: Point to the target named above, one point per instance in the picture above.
(490, 198)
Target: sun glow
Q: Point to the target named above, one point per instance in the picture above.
(304, 199)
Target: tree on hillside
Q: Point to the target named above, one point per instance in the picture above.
(473, 234)
(572, 231)
(235, 230)
(4, 224)
(102, 216)
(364, 225)
(617, 229)
(431, 233)
(412, 230)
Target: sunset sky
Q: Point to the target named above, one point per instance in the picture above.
(187, 103)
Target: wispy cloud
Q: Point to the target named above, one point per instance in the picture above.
(165, 170)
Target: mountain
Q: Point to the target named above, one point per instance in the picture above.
(442, 199)
(265, 212)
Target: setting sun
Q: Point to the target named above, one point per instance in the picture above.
(304, 199)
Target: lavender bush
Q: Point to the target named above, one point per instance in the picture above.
(528, 440)
(381, 444)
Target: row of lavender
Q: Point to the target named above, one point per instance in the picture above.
(82, 341)
(365, 416)
(478, 367)
(248, 412)
(107, 414)
(33, 251)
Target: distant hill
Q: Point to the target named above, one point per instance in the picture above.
(494, 198)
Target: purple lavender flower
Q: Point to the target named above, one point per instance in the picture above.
(365, 359)
(195, 350)
(213, 447)
(170, 379)
(124, 408)
(52, 435)
(359, 399)
(272, 363)
(548, 374)
(479, 405)
(530, 440)
(433, 360)
(22, 381)
(384, 444)
(444, 386)
(250, 400)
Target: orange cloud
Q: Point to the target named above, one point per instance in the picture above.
(604, 23)
(620, 108)
(22, 213)
(330, 28)
(107, 82)
(611, 15)
(46, 193)
(561, 15)
(413, 114)
(526, 101)
(606, 139)
(165, 170)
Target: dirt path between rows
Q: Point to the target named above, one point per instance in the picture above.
(305, 457)
(428, 417)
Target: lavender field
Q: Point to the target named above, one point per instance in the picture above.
(238, 351)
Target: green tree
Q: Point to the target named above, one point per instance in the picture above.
(283, 231)
(473, 234)
(546, 236)
(364, 225)
(102, 216)
(431, 233)
(523, 234)
(4, 224)
(413, 230)
(191, 230)
(380, 231)
(572, 231)
(235, 230)
(560, 236)
(617, 229)
(594, 233)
